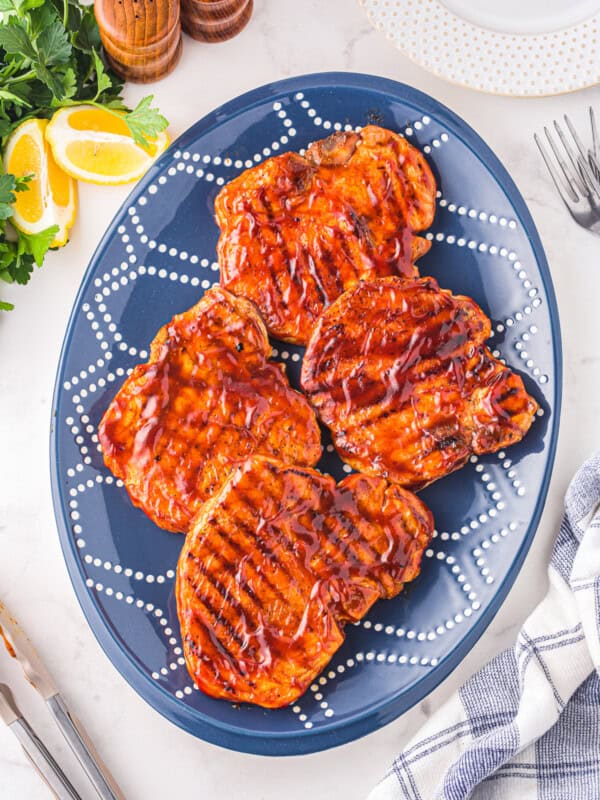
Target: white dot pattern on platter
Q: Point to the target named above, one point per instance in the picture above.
(136, 602)
(154, 272)
(238, 164)
(532, 292)
(331, 125)
(168, 670)
(84, 443)
(327, 124)
(535, 300)
(139, 229)
(484, 247)
(481, 563)
(475, 214)
(437, 142)
(511, 474)
(523, 313)
(485, 544)
(118, 569)
(318, 696)
(474, 523)
(83, 374)
(371, 656)
(173, 252)
(433, 633)
(128, 572)
(486, 476)
(526, 361)
(297, 709)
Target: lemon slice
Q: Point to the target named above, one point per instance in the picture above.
(51, 198)
(95, 145)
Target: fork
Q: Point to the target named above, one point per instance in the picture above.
(577, 178)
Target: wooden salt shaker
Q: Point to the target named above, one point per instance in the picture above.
(142, 38)
(215, 20)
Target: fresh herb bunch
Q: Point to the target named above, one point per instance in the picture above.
(50, 58)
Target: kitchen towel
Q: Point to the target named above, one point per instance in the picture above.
(527, 725)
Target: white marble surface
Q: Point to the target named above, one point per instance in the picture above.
(151, 758)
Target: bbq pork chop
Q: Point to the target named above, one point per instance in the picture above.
(399, 371)
(275, 564)
(206, 400)
(296, 231)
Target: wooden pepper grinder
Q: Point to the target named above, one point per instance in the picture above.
(215, 20)
(142, 38)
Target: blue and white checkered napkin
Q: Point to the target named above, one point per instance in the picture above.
(528, 724)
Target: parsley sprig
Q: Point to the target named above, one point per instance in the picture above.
(50, 58)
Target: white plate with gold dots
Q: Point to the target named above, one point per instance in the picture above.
(527, 49)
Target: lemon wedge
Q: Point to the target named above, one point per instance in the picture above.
(95, 145)
(51, 198)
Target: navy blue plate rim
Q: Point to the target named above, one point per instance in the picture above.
(308, 741)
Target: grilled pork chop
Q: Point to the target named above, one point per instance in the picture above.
(276, 562)
(399, 371)
(296, 231)
(207, 399)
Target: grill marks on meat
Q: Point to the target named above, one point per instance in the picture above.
(277, 562)
(206, 399)
(398, 370)
(296, 231)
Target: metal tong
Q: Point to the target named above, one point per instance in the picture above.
(35, 750)
(20, 648)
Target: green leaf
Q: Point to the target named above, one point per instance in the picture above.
(22, 182)
(22, 267)
(50, 79)
(74, 13)
(7, 188)
(37, 93)
(4, 306)
(52, 42)
(13, 98)
(15, 39)
(116, 105)
(87, 38)
(103, 81)
(69, 83)
(7, 256)
(41, 18)
(19, 6)
(37, 244)
(145, 122)
(5, 127)
(29, 5)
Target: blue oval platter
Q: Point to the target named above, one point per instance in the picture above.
(156, 259)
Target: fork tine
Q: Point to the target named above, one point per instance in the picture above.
(594, 133)
(571, 185)
(594, 166)
(576, 177)
(584, 170)
(554, 173)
